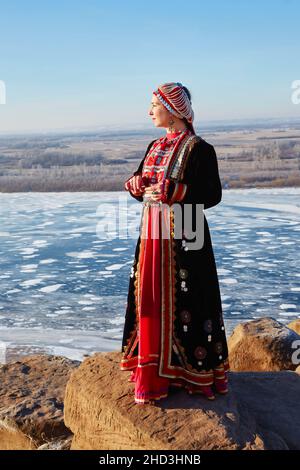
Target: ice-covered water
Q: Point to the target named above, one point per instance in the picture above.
(57, 273)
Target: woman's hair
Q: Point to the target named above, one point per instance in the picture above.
(188, 125)
(187, 92)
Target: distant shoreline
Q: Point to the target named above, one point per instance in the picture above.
(86, 189)
(247, 158)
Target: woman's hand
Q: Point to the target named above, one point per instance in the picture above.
(136, 185)
(157, 188)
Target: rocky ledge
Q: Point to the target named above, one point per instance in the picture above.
(32, 401)
(50, 402)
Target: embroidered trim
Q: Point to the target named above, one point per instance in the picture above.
(170, 155)
(178, 193)
(166, 369)
(128, 360)
(175, 169)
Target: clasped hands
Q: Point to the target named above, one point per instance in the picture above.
(138, 188)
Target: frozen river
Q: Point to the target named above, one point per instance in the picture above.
(63, 286)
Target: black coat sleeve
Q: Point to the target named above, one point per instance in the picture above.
(201, 181)
(139, 172)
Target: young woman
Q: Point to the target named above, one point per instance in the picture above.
(174, 333)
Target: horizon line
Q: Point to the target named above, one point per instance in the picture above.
(144, 127)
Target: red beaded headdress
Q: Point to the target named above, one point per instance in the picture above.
(174, 98)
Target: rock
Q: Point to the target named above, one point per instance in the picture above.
(295, 326)
(31, 401)
(11, 437)
(57, 444)
(10, 352)
(262, 345)
(258, 412)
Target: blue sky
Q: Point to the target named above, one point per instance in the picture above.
(71, 64)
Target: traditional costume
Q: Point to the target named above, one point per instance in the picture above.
(174, 332)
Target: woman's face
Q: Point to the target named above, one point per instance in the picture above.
(158, 113)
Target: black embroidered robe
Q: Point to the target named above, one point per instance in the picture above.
(193, 340)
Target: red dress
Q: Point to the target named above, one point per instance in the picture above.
(148, 384)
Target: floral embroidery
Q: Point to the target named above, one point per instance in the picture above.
(200, 352)
(185, 316)
(183, 273)
(218, 347)
(208, 326)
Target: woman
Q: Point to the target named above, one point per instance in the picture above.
(174, 333)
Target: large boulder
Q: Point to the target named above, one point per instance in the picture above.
(258, 412)
(31, 402)
(262, 345)
(295, 325)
